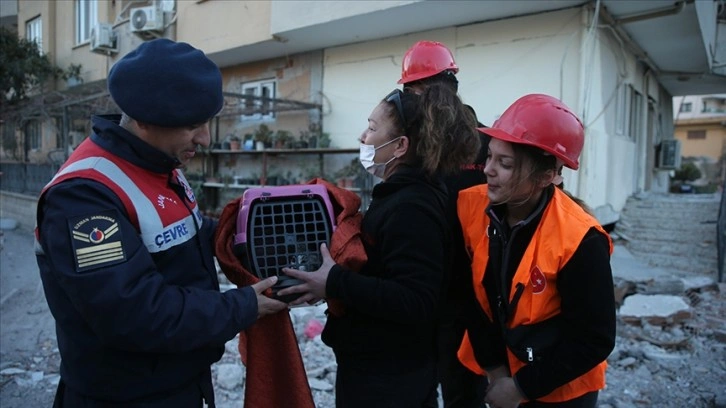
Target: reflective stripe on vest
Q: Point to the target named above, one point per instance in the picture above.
(91, 162)
(563, 226)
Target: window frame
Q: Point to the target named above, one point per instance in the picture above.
(259, 88)
(699, 134)
(635, 120)
(86, 16)
(622, 110)
(33, 134)
(686, 107)
(34, 31)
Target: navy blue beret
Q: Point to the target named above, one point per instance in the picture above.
(167, 83)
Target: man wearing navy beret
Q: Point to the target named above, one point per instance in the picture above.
(126, 257)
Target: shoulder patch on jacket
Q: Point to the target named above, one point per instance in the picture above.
(96, 240)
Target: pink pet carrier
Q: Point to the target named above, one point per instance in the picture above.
(283, 226)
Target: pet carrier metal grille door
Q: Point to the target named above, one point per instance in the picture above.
(280, 227)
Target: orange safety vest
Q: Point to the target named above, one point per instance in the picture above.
(561, 230)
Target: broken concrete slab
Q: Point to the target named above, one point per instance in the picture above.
(627, 267)
(654, 309)
(8, 224)
(697, 282)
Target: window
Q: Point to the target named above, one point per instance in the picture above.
(260, 107)
(86, 17)
(686, 107)
(713, 105)
(636, 113)
(32, 135)
(34, 32)
(58, 124)
(628, 112)
(9, 142)
(696, 134)
(622, 106)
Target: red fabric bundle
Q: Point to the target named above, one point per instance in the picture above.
(275, 371)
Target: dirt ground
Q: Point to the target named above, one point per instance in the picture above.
(29, 359)
(677, 364)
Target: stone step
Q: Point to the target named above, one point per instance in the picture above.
(687, 265)
(667, 233)
(675, 199)
(705, 250)
(672, 231)
(661, 215)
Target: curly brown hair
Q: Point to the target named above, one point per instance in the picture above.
(441, 130)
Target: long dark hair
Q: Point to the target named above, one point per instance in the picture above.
(441, 130)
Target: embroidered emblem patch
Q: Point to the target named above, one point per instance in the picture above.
(537, 278)
(187, 189)
(96, 241)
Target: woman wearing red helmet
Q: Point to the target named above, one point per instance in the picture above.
(427, 63)
(543, 320)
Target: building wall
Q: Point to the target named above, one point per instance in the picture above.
(559, 53)
(707, 113)
(290, 15)
(297, 78)
(553, 53)
(58, 19)
(499, 62)
(220, 25)
(19, 207)
(713, 146)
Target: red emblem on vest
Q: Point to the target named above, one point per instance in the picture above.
(537, 278)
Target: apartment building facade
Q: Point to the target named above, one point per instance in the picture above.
(700, 127)
(618, 64)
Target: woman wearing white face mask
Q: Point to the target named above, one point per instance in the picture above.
(385, 344)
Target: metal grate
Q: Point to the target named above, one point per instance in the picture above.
(286, 232)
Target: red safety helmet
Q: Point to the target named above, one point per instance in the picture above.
(544, 122)
(425, 59)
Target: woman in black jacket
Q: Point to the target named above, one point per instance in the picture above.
(385, 342)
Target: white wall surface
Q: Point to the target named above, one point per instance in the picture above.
(289, 15)
(500, 61)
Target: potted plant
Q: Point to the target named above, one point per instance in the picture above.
(235, 143)
(346, 176)
(283, 139)
(263, 137)
(214, 178)
(324, 140)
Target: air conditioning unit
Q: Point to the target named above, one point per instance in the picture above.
(103, 39)
(146, 20)
(669, 154)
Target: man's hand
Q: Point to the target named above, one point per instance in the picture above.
(266, 305)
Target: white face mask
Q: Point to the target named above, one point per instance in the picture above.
(368, 152)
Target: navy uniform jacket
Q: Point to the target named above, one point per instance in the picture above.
(136, 319)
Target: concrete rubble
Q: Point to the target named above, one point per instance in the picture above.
(670, 349)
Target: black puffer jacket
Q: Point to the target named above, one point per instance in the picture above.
(392, 303)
